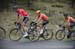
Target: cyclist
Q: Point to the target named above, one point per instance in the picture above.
(70, 22)
(41, 19)
(24, 13)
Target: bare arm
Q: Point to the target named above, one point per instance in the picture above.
(17, 17)
(68, 25)
(73, 19)
(35, 19)
(39, 20)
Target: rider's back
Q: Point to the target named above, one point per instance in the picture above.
(43, 16)
(22, 12)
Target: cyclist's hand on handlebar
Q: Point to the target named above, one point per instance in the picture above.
(16, 22)
(34, 23)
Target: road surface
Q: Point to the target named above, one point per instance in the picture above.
(41, 44)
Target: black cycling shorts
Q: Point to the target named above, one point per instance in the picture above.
(45, 22)
(25, 19)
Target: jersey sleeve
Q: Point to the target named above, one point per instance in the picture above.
(25, 14)
(72, 19)
(18, 13)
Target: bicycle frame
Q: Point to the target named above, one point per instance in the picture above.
(63, 29)
(31, 28)
(18, 26)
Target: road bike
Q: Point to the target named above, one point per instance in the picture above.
(47, 33)
(18, 32)
(63, 32)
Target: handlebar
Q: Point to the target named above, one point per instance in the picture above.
(33, 23)
(18, 24)
(61, 26)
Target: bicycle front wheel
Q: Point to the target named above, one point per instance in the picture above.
(33, 36)
(47, 34)
(15, 35)
(60, 35)
(73, 36)
(2, 33)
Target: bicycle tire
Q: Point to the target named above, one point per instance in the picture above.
(48, 34)
(56, 35)
(10, 36)
(3, 33)
(73, 36)
(34, 36)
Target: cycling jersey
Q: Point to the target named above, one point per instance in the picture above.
(70, 19)
(22, 12)
(43, 17)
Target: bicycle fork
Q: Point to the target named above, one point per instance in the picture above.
(22, 32)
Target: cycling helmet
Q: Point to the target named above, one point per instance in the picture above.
(16, 7)
(65, 15)
(38, 11)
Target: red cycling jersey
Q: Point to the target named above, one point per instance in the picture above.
(22, 12)
(70, 19)
(43, 17)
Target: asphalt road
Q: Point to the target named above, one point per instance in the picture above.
(41, 44)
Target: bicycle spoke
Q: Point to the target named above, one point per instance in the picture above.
(48, 34)
(60, 35)
(33, 36)
(73, 36)
(14, 34)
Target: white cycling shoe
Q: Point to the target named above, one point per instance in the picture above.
(25, 35)
(41, 31)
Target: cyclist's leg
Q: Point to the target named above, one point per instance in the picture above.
(25, 20)
(70, 30)
(43, 26)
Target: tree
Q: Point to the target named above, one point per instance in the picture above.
(4, 4)
(72, 3)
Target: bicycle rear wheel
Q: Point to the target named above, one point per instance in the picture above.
(2, 33)
(15, 35)
(48, 34)
(60, 35)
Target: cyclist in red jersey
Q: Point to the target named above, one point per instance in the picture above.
(22, 12)
(41, 19)
(70, 23)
